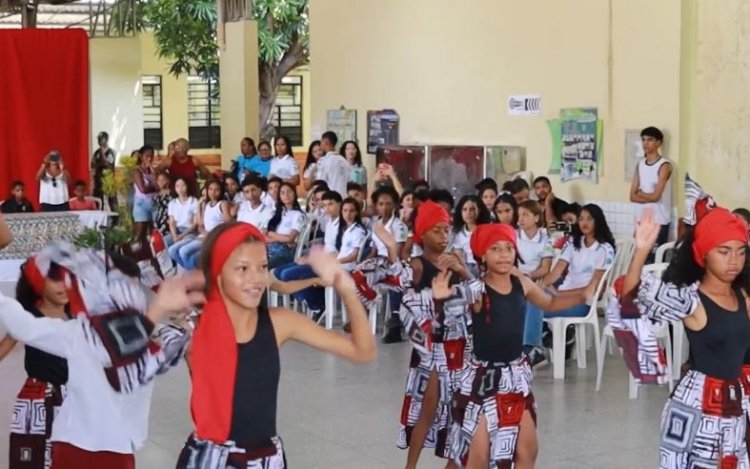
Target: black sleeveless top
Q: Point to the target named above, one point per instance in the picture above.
(256, 385)
(718, 350)
(498, 328)
(42, 365)
(429, 272)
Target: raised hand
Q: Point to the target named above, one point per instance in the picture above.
(327, 268)
(382, 232)
(441, 288)
(452, 262)
(646, 230)
(178, 296)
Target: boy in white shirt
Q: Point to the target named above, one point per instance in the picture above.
(252, 210)
(333, 168)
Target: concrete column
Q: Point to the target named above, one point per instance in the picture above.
(238, 71)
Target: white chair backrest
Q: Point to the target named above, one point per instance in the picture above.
(662, 251)
(362, 246)
(96, 200)
(600, 286)
(303, 238)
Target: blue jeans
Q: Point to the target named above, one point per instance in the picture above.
(185, 252)
(279, 254)
(532, 327)
(314, 297)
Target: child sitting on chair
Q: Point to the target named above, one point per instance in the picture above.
(80, 202)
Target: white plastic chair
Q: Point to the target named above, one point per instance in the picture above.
(558, 326)
(662, 251)
(97, 201)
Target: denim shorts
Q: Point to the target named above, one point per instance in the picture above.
(142, 210)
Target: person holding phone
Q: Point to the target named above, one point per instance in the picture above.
(53, 183)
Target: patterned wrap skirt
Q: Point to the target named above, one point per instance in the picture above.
(204, 454)
(445, 359)
(746, 398)
(704, 424)
(31, 427)
(499, 391)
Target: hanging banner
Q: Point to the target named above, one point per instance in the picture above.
(578, 138)
(382, 129)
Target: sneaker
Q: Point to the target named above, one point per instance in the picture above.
(393, 336)
(538, 358)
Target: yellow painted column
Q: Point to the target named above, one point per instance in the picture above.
(238, 71)
(688, 134)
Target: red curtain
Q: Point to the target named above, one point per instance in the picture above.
(44, 104)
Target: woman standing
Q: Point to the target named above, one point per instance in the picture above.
(309, 171)
(706, 287)
(44, 389)
(235, 351)
(53, 184)
(144, 185)
(284, 165)
(350, 151)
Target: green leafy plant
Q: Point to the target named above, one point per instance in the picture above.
(119, 183)
(109, 239)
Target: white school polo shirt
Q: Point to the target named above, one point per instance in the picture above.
(533, 250)
(284, 167)
(351, 240)
(291, 220)
(583, 262)
(395, 227)
(330, 234)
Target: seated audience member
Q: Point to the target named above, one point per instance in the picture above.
(316, 211)
(385, 175)
(17, 203)
(284, 228)
(506, 209)
(162, 200)
(487, 191)
(469, 213)
(284, 165)
(80, 202)
(562, 229)
(553, 207)
(252, 209)
(261, 163)
(309, 171)
(241, 165)
(406, 205)
(271, 195)
(232, 193)
(181, 217)
(518, 188)
(211, 213)
(344, 235)
(584, 259)
(744, 213)
(333, 168)
(53, 184)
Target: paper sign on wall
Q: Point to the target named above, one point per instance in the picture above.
(524, 105)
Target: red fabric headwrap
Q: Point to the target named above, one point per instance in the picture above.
(214, 354)
(484, 236)
(715, 228)
(429, 214)
(33, 275)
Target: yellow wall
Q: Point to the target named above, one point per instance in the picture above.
(717, 101)
(448, 67)
(116, 105)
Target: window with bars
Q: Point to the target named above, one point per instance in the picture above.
(204, 130)
(152, 116)
(287, 116)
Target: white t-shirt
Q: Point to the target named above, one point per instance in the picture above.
(291, 220)
(395, 227)
(351, 240)
(461, 242)
(335, 170)
(212, 216)
(584, 262)
(53, 193)
(330, 234)
(183, 213)
(267, 200)
(284, 167)
(258, 216)
(533, 250)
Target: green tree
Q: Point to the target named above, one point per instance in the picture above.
(185, 35)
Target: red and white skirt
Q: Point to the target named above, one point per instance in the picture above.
(33, 413)
(204, 454)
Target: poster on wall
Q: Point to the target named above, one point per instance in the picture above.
(633, 152)
(343, 122)
(382, 129)
(524, 105)
(578, 152)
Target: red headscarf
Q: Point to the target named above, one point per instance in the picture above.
(214, 355)
(484, 236)
(429, 214)
(715, 228)
(32, 275)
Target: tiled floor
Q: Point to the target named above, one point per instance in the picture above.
(336, 415)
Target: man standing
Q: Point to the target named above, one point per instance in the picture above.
(651, 187)
(333, 168)
(103, 159)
